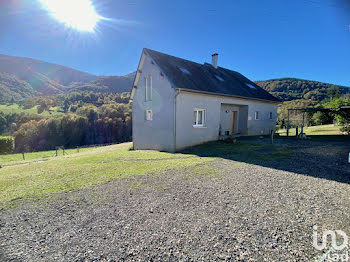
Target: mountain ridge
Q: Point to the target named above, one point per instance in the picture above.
(44, 78)
(22, 77)
(290, 88)
(301, 79)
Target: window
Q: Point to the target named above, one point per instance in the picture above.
(184, 70)
(148, 115)
(198, 117)
(256, 115)
(219, 78)
(250, 86)
(270, 115)
(148, 88)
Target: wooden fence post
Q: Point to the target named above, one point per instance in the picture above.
(272, 134)
(288, 124)
(302, 125)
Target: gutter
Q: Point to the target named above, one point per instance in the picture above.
(177, 92)
(218, 94)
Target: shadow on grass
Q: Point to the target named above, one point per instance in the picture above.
(288, 155)
(331, 138)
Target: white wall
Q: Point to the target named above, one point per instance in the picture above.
(186, 102)
(264, 124)
(157, 134)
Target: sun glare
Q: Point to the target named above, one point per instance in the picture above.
(77, 14)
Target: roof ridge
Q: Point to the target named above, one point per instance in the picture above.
(183, 59)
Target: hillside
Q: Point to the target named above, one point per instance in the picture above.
(22, 78)
(287, 89)
(14, 89)
(44, 78)
(28, 68)
(116, 84)
(107, 84)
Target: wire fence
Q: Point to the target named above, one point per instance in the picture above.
(40, 156)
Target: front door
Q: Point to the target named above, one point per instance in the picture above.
(233, 118)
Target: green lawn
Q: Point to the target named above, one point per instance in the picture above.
(314, 130)
(32, 179)
(84, 169)
(246, 152)
(15, 108)
(12, 159)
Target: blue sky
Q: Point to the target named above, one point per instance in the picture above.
(267, 39)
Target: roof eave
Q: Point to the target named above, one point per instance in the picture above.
(235, 96)
(137, 75)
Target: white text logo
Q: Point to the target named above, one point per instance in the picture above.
(333, 236)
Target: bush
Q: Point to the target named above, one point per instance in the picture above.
(345, 128)
(230, 140)
(6, 144)
(342, 116)
(321, 118)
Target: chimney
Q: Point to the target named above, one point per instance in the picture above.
(214, 60)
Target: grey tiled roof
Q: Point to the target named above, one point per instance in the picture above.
(205, 78)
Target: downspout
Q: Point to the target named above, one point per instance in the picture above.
(177, 92)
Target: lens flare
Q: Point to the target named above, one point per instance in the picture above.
(77, 14)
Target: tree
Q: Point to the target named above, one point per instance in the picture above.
(333, 92)
(321, 118)
(66, 105)
(43, 106)
(3, 123)
(88, 122)
(6, 144)
(342, 116)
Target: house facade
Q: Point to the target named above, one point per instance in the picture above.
(177, 103)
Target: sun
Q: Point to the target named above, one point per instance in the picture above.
(78, 14)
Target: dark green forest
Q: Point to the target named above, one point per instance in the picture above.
(61, 106)
(288, 89)
(86, 118)
(13, 89)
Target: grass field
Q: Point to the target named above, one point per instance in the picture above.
(33, 178)
(12, 159)
(80, 170)
(15, 108)
(314, 130)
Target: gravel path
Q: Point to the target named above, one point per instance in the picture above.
(222, 210)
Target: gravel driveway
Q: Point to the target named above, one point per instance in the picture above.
(221, 210)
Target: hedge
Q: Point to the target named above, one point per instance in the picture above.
(7, 144)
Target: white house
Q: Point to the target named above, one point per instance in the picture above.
(177, 103)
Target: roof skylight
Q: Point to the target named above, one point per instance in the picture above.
(219, 78)
(250, 85)
(184, 70)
